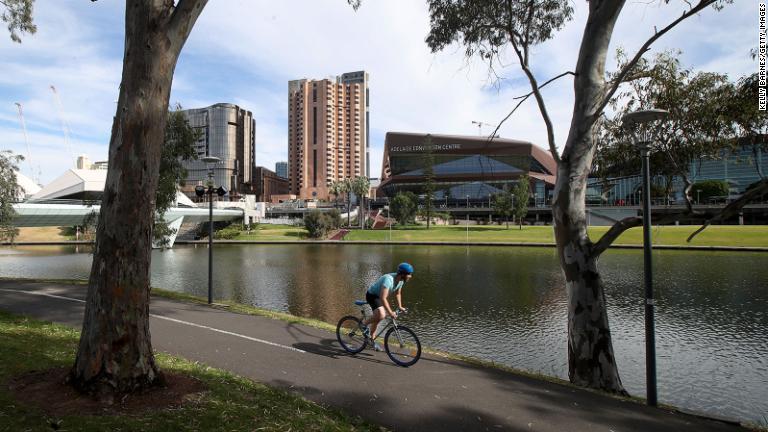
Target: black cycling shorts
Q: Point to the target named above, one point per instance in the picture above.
(373, 300)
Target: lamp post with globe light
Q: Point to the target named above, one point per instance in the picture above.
(200, 190)
(641, 125)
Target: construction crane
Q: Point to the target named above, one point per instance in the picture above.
(480, 126)
(26, 141)
(64, 125)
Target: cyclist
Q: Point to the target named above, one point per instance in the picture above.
(377, 294)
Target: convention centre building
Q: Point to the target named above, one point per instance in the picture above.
(464, 167)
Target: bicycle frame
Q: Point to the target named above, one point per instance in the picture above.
(384, 324)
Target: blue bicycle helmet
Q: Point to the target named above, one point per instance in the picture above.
(405, 268)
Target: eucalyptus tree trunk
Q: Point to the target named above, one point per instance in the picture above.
(115, 351)
(591, 360)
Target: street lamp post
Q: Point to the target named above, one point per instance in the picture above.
(698, 196)
(210, 162)
(467, 219)
(389, 221)
(490, 213)
(640, 124)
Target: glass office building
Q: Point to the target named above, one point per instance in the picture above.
(739, 169)
(227, 132)
(464, 167)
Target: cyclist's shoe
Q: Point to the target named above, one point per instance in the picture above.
(377, 347)
(366, 331)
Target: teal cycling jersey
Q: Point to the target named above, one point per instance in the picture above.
(386, 281)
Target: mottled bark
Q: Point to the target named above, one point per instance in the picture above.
(115, 352)
(591, 360)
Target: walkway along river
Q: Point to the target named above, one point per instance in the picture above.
(504, 304)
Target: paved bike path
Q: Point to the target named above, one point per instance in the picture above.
(436, 394)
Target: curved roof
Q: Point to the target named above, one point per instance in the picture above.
(477, 150)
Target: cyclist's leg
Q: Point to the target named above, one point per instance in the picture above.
(378, 312)
(378, 315)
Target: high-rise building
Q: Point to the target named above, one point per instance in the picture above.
(327, 132)
(83, 162)
(228, 132)
(281, 169)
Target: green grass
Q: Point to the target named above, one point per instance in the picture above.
(238, 403)
(717, 235)
(246, 309)
(268, 232)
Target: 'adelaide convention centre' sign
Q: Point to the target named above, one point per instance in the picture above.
(421, 148)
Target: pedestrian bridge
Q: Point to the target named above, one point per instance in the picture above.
(73, 212)
(70, 214)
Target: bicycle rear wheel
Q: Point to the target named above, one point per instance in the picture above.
(402, 346)
(349, 332)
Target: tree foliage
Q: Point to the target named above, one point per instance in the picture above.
(178, 146)
(403, 207)
(714, 189)
(18, 15)
(521, 192)
(318, 223)
(345, 188)
(360, 186)
(699, 123)
(429, 178)
(503, 204)
(336, 188)
(486, 27)
(9, 193)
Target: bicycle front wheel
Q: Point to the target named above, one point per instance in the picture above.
(349, 332)
(402, 346)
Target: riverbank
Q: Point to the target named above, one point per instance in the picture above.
(667, 235)
(720, 237)
(305, 360)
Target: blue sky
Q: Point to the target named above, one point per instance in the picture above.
(246, 51)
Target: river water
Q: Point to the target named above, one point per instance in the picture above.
(504, 304)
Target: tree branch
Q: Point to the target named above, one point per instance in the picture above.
(183, 18)
(730, 210)
(643, 49)
(735, 207)
(525, 97)
(614, 232)
(634, 221)
(523, 57)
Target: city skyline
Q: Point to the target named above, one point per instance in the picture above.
(82, 47)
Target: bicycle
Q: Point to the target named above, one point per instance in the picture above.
(400, 342)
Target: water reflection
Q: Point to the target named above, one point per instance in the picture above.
(502, 304)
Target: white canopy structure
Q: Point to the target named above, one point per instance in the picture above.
(28, 187)
(64, 202)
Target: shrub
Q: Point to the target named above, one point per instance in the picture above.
(334, 219)
(227, 233)
(316, 224)
(709, 189)
(403, 207)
